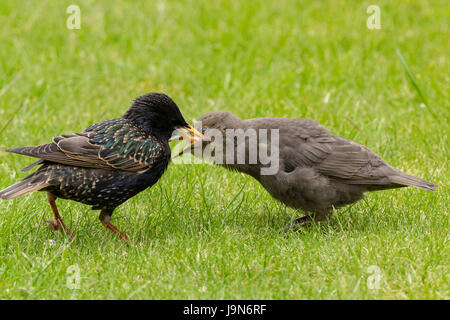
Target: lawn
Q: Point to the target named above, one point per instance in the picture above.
(202, 232)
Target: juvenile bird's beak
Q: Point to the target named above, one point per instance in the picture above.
(194, 135)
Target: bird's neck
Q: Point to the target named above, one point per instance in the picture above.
(251, 170)
(150, 127)
(161, 134)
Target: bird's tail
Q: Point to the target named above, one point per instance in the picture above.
(409, 180)
(34, 182)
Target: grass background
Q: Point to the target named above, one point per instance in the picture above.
(203, 232)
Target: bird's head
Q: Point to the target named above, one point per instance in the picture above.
(211, 125)
(219, 120)
(158, 113)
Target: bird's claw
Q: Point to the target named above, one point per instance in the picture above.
(288, 227)
(56, 226)
(299, 222)
(53, 225)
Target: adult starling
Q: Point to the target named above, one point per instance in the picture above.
(317, 171)
(106, 164)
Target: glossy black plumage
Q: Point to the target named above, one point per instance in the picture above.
(109, 162)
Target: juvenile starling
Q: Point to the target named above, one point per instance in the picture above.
(106, 164)
(317, 171)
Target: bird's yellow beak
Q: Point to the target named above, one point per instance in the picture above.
(194, 135)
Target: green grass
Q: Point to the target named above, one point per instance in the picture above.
(203, 232)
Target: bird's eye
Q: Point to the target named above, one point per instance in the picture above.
(203, 130)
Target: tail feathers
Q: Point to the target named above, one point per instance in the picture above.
(408, 180)
(26, 151)
(21, 188)
(34, 164)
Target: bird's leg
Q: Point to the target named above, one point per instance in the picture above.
(105, 218)
(321, 215)
(307, 220)
(58, 222)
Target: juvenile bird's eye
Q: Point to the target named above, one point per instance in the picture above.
(203, 130)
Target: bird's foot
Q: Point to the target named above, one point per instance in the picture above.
(58, 223)
(70, 233)
(307, 220)
(114, 229)
(299, 222)
(54, 225)
(105, 219)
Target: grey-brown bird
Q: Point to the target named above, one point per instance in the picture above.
(317, 171)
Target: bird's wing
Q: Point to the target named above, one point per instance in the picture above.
(336, 157)
(108, 145)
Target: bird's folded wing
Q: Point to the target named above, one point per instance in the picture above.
(98, 150)
(337, 158)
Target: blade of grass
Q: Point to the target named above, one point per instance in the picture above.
(414, 83)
